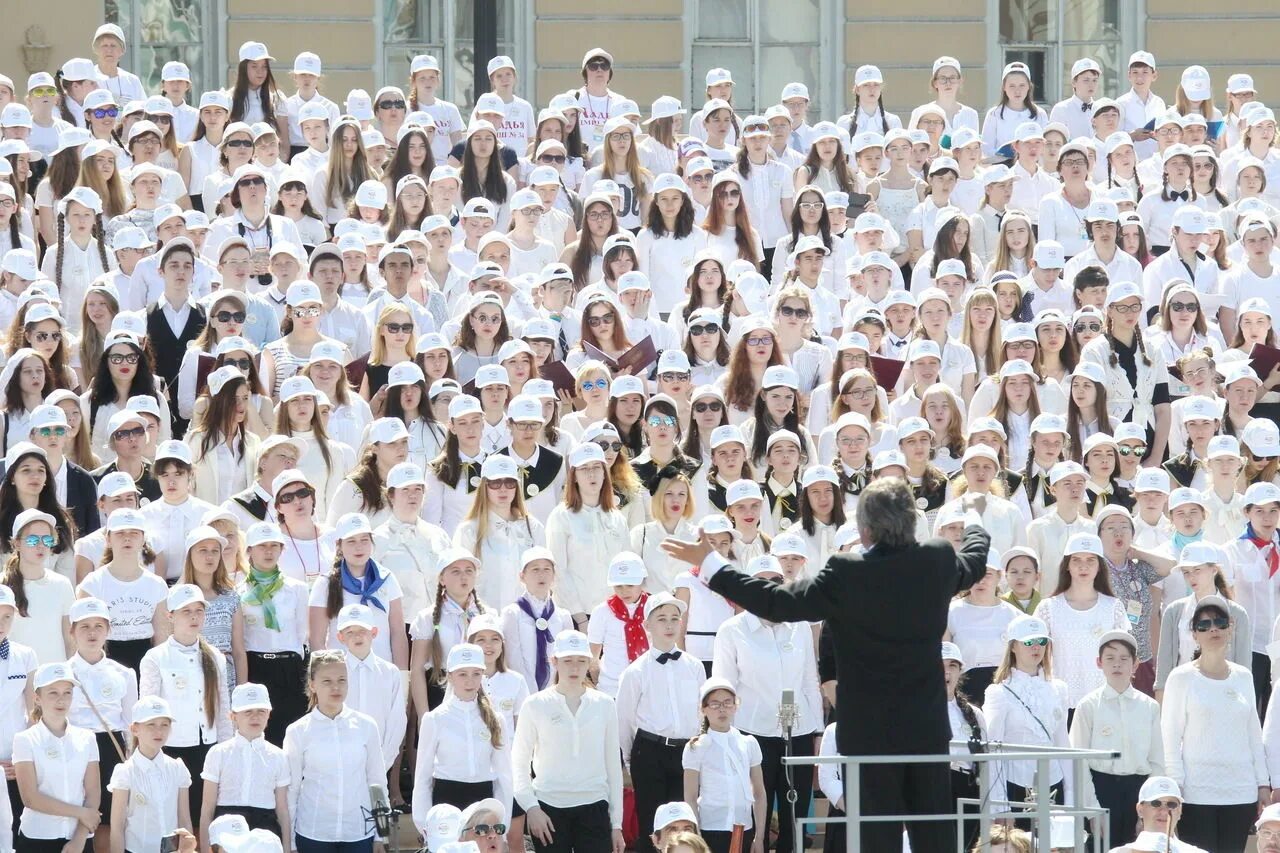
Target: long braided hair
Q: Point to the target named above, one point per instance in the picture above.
(437, 648)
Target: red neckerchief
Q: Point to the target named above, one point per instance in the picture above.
(1271, 553)
(632, 625)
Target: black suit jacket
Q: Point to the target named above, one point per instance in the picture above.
(82, 499)
(887, 611)
(168, 351)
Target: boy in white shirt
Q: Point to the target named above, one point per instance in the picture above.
(1030, 182)
(1076, 112)
(306, 76)
(377, 687)
(1139, 105)
(1043, 287)
(616, 627)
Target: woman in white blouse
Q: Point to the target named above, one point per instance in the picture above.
(404, 544)
(334, 755)
(672, 508)
(1080, 610)
(454, 475)
(585, 532)
(224, 449)
(499, 529)
(1212, 739)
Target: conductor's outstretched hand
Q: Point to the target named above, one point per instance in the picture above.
(692, 553)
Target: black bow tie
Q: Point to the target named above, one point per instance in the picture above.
(1084, 108)
(666, 656)
(1185, 195)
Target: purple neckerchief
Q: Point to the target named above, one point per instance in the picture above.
(542, 673)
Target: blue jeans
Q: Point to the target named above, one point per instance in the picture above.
(306, 845)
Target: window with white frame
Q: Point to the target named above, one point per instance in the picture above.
(1050, 35)
(765, 44)
(160, 31)
(446, 30)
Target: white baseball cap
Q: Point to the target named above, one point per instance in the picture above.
(181, 595)
(627, 567)
(571, 644)
(249, 697)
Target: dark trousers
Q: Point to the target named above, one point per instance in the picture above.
(581, 829)
(1262, 682)
(1217, 827)
(22, 844)
(15, 804)
(975, 683)
(257, 818)
(719, 840)
(284, 674)
(128, 653)
(1120, 795)
(766, 263)
(966, 785)
(657, 777)
(833, 834)
(460, 794)
(192, 758)
(908, 789)
(772, 749)
(306, 845)
(108, 758)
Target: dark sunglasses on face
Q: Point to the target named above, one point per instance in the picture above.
(672, 376)
(798, 313)
(732, 193)
(661, 420)
(135, 432)
(105, 112)
(399, 328)
(607, 446)
(48, 540)
(1203, 626)
(1134, 450)
(300, 494)
(123, 358)
(239, 363)
(551, 158)
(239, 143)
(41, 337)
(601, 319)
(252, 182)
(483, 829)
(391, 105)
(597, 65)
(1184, 307)
(230, 316)
(703, 408)
(1170, 805)
(705, 329)
(158, 119)
(1038, 641)
(1087, 327)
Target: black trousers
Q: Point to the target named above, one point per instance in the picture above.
(193, 758)
(833, 835)
(22, 844)
(1262, 683)
(719, 840)
(581, 829)
(460, 794)
(1217, 827)
(128, 652)
(1120, 795)
(772, 749)
(766, 263)
(657, 777)
(257, 818)
(108, 758)
(966, 785)
(15, 803)
(284, 674)
(908, 789)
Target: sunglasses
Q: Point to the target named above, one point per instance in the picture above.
(50, 432)
(1038, 641)
(241, 363)
(44, 92)
(733, 193)
(703, 408)
(602, 319)
(306, 312)
(391, 105)
(239, 143)
(1184, 307)
(483, 829)
(672, 376)
(105, 112)
(705, 329)
(300, 494)
(1126, 309)
(399, 328)
(1202, 626)
(136, 432)
(41, 337)
(597, 65)
(1087, 327)
(552, 158)
(252, 182)
(230, 316)
(1133, 450)
(798, 313)
(1171, 805)
(506, 483)
(158, 119)
(48, 540)
(760, 341)
(661, 420)
(125, 358)
(607, 446)
(599, 385)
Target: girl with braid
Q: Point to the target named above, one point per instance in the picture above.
(437, 630)
(80, 254)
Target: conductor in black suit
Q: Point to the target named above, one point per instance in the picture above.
(887, 610)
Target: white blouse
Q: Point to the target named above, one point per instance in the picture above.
(500, 554)
(583, 543)
(1075, 636)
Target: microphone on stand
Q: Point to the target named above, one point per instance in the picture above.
(788, 711)
(380, 811)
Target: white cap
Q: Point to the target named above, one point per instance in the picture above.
(307, 63)
(1083, 65)
(465, 656)
(296, 386)
(1049, 255)
(1142, 57)
(819, 474)
(627, 567)
(910, 426)
(227, 828)
(742, 490)
(1223, 445)
(249, 697)
(669, 813)
(780, 376)
(1190, 219)
(1022, 628)
(126, 519)
(173, 449)
(1199, 554)
(726, 434)
(1156, 787)
(1261, 493)
(52, 673)
(923, 348)
(81, 609)
(372, 194)
(867, 74)
(585, 454)
(181, 595)
(1152, 480)
(571, 644)
(1196, 84)
(151, 708)
(263, 532)
(1063, 470)
(351, 525)
(1261, 437)
(252, 51)
(201, 533)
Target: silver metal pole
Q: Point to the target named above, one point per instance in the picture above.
(984, 791)
(1044, 817)
(1077, 773)
(853, 806)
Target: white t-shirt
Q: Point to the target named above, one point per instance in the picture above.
(48, 601)
(132, 603)
(387, 593)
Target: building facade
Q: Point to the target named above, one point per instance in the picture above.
(665, 46)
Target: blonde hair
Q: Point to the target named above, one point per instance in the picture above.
(1008, 665)
(323, 657)
(378, 352)
(664, 486)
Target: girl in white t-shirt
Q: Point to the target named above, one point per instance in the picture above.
(722, 773)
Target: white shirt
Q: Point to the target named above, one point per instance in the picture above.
(1076, 115)
(1029, 189)
(451, 623)
(15, 671)
(1075, 636)
(291, 603)
(583, 543)
(60, 763)
(607, 630)
(1123, 266)
(113, 688)
(1135, 113)
(377, 688)
(1047, 536)
(1256, 590)
(1039, 719)
(574, 756)
(708, 611)
(520, 636)
(979, 630)
(168, 524)
(174, 672)
(408, 551)
(1000, 124)
(507, 690)
(455, 744)
(659, 698)
(723, 761)
(79, 269)
(153, 786)
(1127, 722)
(247, 772)
(49, 601)
(763, 660)
(386, 594)
(504, 543)
(1212, 738)
(1061, 220)
(332, 763)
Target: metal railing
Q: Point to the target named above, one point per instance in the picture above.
(1040, 812)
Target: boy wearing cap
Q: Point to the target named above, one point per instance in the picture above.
(1256, 278)
(1076, 112)
(375, 686)
(177, 512)
(669, 820)
(616, 626)
(1043, 287)
(1102, 227)
(1049, 534)
(1117, 716)
(1139, 105)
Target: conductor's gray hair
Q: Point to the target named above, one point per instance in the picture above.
(887, 513)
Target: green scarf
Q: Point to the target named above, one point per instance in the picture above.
(262, 588)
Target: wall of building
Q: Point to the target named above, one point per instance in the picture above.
(342, 32)
(67, 30)
(1227, 38)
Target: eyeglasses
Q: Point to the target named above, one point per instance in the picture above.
(158, 119)
(526, 426)
(1203, 626)
(1133, 450)
(599, 384)
(673, 376)
(1079, 328)
(1184, 307)
(1073, 161)
(487, 319)
(704, 329)
(713, 406)
(505, 483)
(41, 337)
(812, 205)
(239, 143)
(230, 316)
(123, 358)
(851, 442)
(597, 65)
(946, 80)
(44, 92)
(1038, 641)
(859, 393)
(600, 215)
(483, 829)
(105, 112)
(760, 340)
(299, 495)
(601, 319)
(50, 432)
(399, 328)
(306, 312)
(1170, 805)
(1127, 309)
(721, 705)
(391, 105)
(252, 182)
(552, 158)
(48, 540)
(135, 432)
(1268, 835)
(733, 193)
(661, 420)
(1191, 374)
(798, 313)
(241, 363)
